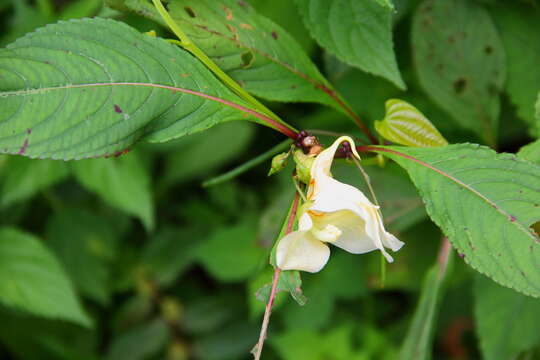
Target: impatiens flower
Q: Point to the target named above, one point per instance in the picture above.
(337, 214)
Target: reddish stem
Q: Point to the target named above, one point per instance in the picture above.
(275, 280)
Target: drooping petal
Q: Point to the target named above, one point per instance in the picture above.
(299, 250)
(368, 234)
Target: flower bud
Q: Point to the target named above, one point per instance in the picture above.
(303, 165)
(279, 162)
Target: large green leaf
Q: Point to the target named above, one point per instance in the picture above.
(507, 322)
(460, 62)
(519, 27)
(31, 279)
(123, 183)
(253, 50)
(485, 203)
(357, 32)
(94, 87)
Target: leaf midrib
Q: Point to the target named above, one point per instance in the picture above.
(458, 182)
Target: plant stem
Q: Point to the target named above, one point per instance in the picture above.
(282, 146)
(188, 45)
(267, 313)
(277, 271)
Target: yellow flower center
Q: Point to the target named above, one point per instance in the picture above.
(329, 233)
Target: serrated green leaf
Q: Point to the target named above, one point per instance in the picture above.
(406, 125)
(278, 68)
(530, 152)
(123, 183)
(519, 28)
(85, 245)
(357, 32)
(31, 279)
(485, 203)
(460, 62)
(506, 321)
(418, 341)
(26, 177)
(94, 87)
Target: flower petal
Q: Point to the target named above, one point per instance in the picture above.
(353, 235)
(320, 170)
(299, 250)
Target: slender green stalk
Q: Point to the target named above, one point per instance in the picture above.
(257, 350)
(282, 146)
(376, 201)
(188, 45)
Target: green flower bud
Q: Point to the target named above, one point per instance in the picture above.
(279, 162)
(303, 165)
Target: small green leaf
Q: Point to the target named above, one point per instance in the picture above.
(31, 279)
(26, 177)
(289, 281)
(460, 62)
(357, 32)
(94, 87)
(506, 321)
(123, 183)
(406, 125)
(485, 203)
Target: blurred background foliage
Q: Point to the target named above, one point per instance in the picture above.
(159, 267)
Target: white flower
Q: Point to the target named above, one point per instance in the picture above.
(337, 214)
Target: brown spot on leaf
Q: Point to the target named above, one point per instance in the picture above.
(246, 26)
(190, 12)
(512, 218)
(184, 75)
(536, 228)
(274, 35)
(460, 85)
(117, 109)
(451, 39)
(242, 3)
(228, 13)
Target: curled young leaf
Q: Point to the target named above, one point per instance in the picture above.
(406, 125)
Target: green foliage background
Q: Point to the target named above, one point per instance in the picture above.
(130, 257)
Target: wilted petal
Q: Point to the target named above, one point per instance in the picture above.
(299, 250)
